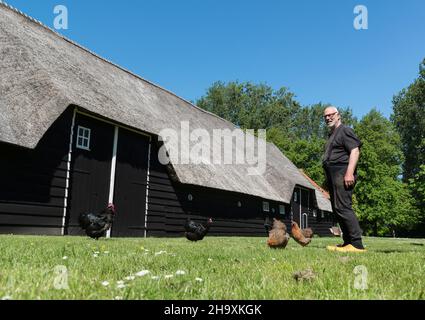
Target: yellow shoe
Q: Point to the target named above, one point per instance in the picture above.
(349, 248)
(333, 248)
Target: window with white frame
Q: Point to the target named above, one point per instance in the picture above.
(83, 138)
(266, 206)
(282, 209)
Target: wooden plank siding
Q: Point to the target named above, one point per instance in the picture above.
(321, 225)
(33, 182)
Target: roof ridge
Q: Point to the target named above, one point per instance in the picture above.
(41, 24)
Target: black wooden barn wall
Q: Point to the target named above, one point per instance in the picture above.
(321, 223)
(34, 181)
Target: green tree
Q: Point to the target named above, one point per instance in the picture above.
(250, 106)
(409, 119)
(304, 153)
(382, 200)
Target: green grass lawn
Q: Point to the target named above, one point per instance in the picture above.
(215, 268)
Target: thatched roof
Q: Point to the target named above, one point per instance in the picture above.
(42, 73)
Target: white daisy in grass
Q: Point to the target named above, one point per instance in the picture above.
(121, 286)
(168, 276)
(180, 272)
(273, 259)
(65, 258)
(95, 255)
(155, 277)
(160, 252)
(209, 259)
(118, 298)
(120, 282)
(199, 279)
(7, 298)
(142, 273)
(105, 283)
(96, 252)
(130, 278)
(105, 252)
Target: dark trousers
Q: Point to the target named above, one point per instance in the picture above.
(341, 199)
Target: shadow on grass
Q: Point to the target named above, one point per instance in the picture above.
(394, 251)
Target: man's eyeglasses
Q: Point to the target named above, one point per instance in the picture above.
(330, 115)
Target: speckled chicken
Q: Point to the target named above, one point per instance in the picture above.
(307, 232)
(278, 237)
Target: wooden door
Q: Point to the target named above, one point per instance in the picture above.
(130, 184)
(90, 169)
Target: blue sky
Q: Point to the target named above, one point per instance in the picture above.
(309, 46)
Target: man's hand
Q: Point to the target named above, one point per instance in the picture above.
(349, 175)
(349, 180)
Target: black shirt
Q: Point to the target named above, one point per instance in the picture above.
(340, 143)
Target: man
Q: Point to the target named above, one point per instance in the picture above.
(340, 162)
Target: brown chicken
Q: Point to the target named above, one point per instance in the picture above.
(278, 237)
(298, 235)
(308, 232)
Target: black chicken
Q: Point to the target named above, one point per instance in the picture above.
(196, 231)
(96, 225)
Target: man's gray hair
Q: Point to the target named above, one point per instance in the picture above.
(333, 108)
